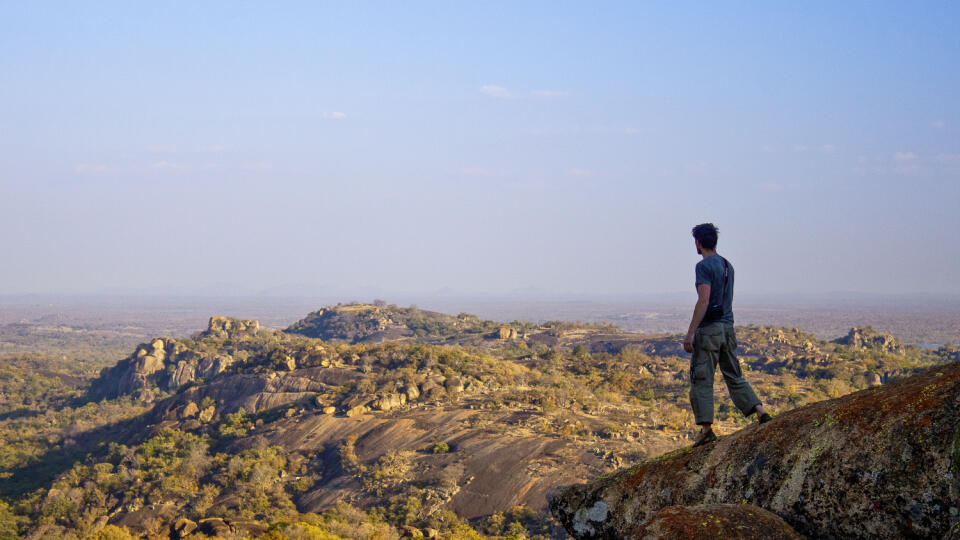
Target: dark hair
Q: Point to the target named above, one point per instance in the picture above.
(706, 234)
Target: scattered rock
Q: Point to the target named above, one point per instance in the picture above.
(189, 410)
(206, 414)
(411, 532)
(286, 362)
(329, 410)
(454, 385)
(247, 528)
(411, 392)
(214, 527)
(390, 401)
(181, 528)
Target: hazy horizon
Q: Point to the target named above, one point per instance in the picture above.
(544, 149)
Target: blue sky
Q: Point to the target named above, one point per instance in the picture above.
(485, 148)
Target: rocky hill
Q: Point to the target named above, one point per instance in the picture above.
(880, 463)
(462, 426)
(376, 323)
(868, 338)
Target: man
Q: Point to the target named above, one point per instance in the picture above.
(712, 340)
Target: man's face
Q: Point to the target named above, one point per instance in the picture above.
(699, 247)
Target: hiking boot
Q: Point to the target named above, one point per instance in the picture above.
(705, 437)
(765, 417)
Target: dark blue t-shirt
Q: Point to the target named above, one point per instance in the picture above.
(710, 271)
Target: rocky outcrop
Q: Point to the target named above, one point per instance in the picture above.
(167, 364)
(224, 327)
(883, 462)
(868, 338)
(507, 332)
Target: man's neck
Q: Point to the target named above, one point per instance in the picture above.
(707, 252)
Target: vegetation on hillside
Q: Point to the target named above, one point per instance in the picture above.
(78, 461)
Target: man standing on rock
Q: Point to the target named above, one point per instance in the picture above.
(712, 340)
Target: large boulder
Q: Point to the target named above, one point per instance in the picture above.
(227, 326)
(883, 462)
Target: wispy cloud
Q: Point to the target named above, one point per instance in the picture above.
(213, 148)
(579, 173)
(93, 169)
(335, 115)
(494, 91)
(937, 123)
(904, 156)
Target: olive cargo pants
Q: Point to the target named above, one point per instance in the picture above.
(716, 343)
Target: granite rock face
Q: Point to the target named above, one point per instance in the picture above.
(167, 364)
(880, 463)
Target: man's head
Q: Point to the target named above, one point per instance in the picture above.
(705, 236)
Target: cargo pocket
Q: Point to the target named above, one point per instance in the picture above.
(710, 337)
(700, 368)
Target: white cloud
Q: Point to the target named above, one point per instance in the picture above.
(335, 115)
(549, 93)
(937, 123)
(92, 168)
(213, 148)
(827, 148)
(799, 148)
(904, 156)
(494, 91)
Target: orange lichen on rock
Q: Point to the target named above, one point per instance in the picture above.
(729, 521)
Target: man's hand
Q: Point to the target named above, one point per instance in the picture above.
(703, 298)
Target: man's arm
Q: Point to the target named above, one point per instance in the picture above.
(703, 300)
